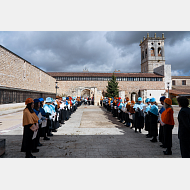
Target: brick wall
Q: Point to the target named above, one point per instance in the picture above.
(15, 72)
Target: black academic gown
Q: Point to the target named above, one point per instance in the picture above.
(27, 139)
(139, 120)
(167, 140)
(147, 123)
(153, 125)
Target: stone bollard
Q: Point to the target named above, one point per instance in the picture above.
(2, 146)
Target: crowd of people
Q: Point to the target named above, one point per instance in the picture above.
(42, 120)
(88, 101)
(148, 116)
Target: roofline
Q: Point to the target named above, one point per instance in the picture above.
(178, 77)
(158, 75)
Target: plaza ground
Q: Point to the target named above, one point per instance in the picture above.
(91, 132)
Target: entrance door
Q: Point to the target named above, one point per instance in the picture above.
(85, 93)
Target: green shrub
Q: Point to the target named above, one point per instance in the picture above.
(174, 101)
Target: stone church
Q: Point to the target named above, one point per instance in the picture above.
(20, 79)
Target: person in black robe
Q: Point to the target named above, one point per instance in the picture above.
(139, 115)
(161, 130)
(114, 108)
(29, 120)
(184, 127)
(36, 141)
(43, 131)
(147, 118)
(153, 116)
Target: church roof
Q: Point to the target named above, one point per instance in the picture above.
(91, 74)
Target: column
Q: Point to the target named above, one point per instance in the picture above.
(134, 97)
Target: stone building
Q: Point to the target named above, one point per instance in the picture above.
(180, 86)
(19, 79)
(152, 53)
(85, 83)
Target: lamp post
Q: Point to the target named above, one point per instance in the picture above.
(56, 87)
(168, 85)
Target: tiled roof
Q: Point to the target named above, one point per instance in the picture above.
(180, 91)
(90, 74)
(180, 77)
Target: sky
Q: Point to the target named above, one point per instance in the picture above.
(97, 51)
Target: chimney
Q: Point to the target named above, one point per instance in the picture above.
(162, 35)
(155, 35)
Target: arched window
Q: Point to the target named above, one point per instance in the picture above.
(142, 55)
(152, 51)
(145, 53)
(159, 51)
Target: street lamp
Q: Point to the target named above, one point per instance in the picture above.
(168, 85)
(56, 87)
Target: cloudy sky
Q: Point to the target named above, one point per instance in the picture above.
(98, 51)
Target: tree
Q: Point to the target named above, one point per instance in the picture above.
(112, 88)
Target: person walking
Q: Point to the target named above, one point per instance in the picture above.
(30, 123)
(184, 126)
(167, 121)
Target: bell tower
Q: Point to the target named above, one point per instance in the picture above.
(152, 53)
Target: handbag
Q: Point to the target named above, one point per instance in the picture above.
(34, 127)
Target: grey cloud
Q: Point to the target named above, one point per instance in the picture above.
(98, 51)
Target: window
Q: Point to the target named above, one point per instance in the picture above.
(145, 53)
(142, 55)
(147, 79)
(159, 51)
(173, 82)
(183, 82)
(152, 51)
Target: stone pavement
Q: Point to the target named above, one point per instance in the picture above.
(91, 132)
